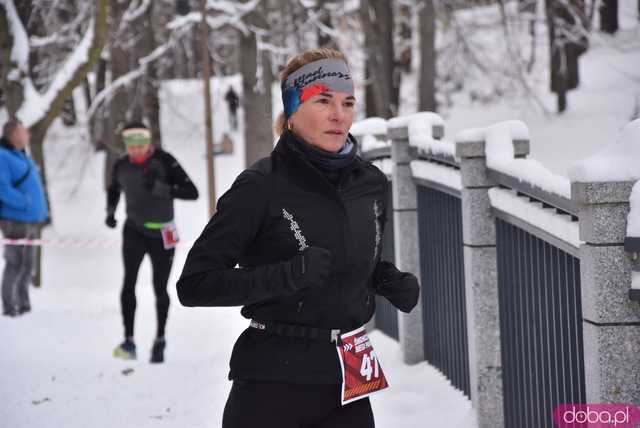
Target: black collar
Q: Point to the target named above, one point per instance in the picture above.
(324, 160)
(289, 145)
(296, 159)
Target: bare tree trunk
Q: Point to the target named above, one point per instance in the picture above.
(68, 112)
(12, 89)
(208, 122)
(369, 88)
(37, 152)
(182, 7)
(530, 8)
(194, 63)
(405, 35)
(86, 90)
(609, 16)
(558, 60)
(256, 94)
(564, 66)
(120, 102)
(427, 98)
(150, 89)
(377, 21)
(98, 123)
(324, 39)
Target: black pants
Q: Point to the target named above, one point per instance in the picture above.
(287, 405)
(134, 246)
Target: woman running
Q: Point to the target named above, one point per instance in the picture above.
(305, 226)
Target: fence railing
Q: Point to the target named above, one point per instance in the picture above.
(443, 291)
(525, 283)
(539, 298)
(386, 315)
(540, 327)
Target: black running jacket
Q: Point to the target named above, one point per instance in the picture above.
(274, 209)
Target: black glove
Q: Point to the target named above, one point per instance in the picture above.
(111, 221)
(311, 267)
(400, 288)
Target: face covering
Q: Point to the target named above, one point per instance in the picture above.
(315, 78)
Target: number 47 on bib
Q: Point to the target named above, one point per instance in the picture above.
(362, 374)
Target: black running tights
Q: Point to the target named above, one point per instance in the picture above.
(134, 246)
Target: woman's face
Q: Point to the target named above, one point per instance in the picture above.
(324, 120)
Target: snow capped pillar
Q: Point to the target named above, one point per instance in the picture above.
(602, 187)
(481, 280)
(406, 239)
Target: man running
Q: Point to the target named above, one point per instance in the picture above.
(151, 179)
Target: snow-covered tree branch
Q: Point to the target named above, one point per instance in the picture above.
(24, 100)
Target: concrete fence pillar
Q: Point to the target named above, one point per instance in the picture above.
(611, 322)
(481, 285)
(406, 240)
(481, 282)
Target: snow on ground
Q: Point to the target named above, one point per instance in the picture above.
(56, 367)
(598, 110)
(617, 161)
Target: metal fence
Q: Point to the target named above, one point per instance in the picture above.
(540, 326)
(386, 317)
(443, 293)
(527, 275)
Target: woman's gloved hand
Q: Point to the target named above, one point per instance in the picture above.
(400, 288)
(311, 267)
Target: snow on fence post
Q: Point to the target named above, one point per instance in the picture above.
(602, 186)
(406, 239)
(481, 278)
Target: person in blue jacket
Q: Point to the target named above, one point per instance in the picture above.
(23, 207)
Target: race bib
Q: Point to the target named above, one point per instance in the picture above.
(362, 374)
(170, 235)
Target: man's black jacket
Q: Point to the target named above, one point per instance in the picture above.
(273, 210)
(149, 189)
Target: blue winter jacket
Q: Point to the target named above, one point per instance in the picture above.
(25, 202)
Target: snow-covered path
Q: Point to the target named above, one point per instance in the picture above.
(56, 368)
